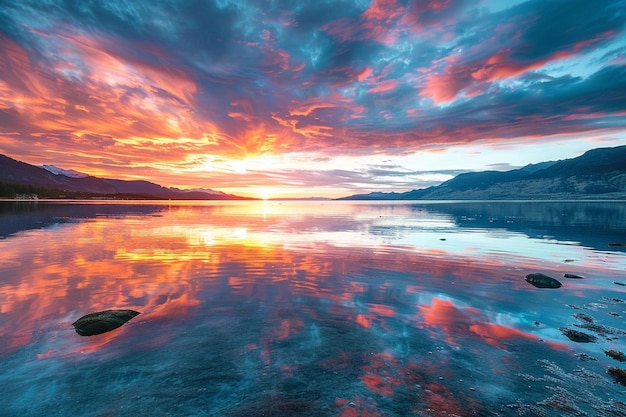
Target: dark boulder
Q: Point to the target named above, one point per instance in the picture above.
(102, 321)
(618, 374)
(576, 336)
(542, 281)
(616, 354)
(572, 276)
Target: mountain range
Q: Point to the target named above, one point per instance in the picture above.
(52, 182)
(599, 173)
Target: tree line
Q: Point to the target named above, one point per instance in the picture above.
(12, 190)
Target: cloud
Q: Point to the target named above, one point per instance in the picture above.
(165, 80)
(518, 40)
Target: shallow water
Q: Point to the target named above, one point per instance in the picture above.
(312, 308)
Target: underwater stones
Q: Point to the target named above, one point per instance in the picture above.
(618, 374)
(585, 318)
(572, 276)
(585, 358)
(602, 330)
(540, 280)
(577, 336)
(102, 321)
(615, 354)
(617, 244)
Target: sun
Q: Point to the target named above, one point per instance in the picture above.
(265, 193)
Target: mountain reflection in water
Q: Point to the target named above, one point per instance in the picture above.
(312, 309)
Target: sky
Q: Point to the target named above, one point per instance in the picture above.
(285, 98)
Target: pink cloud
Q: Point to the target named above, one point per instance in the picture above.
(444, 84)
(344, 29)
(500, 65)
(419, 15)
(588, 42)
(276, 58)
(441, 87)
(364, 74)
(375, 23)
(383, 86)
(383, 10)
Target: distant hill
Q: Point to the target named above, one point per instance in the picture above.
(50, 181)
(598, 173)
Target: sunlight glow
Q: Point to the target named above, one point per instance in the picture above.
(265, 193)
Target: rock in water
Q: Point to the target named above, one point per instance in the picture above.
(572, 276)
(618, 374)
(102, 321)
(576, 336)
(616, 354)
(542, 281)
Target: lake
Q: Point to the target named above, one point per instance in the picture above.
(317, 308)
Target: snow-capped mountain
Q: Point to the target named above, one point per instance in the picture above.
(206, 190)
(67, 172)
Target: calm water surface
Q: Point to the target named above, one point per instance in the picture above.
(312, 309)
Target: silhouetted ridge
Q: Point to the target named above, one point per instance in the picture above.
(18, 177)
(598, 173)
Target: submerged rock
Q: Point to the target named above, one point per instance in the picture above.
(602, 330)
(542, 281)
(576, 336)
(585, 318)
(616, 354)
(572, 276)
(618, 374)
(585, 358)
(102, 321)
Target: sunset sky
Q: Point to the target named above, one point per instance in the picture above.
(308, 98)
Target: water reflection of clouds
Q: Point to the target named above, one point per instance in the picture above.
(156, 262)
(282, 292)
(380, 228)
(461, 323)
